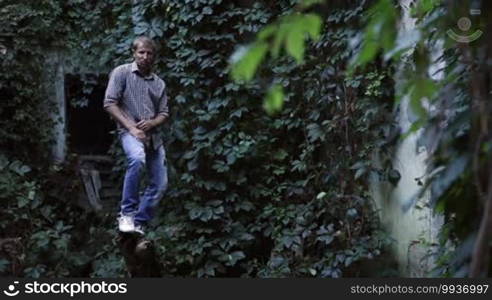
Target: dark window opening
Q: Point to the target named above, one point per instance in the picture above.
(88, 124)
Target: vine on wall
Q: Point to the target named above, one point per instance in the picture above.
(251, 194)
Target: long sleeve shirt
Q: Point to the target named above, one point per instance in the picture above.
(138, 97)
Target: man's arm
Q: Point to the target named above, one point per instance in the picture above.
(161, 117)
(114, 92)
(146, 125)
(116, 113)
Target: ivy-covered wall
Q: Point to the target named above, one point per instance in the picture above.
(251, 194)
(256, 195)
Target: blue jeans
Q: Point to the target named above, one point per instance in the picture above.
(138, 156)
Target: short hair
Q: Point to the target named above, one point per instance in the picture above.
(143, 40)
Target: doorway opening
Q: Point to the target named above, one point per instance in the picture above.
(89, 126)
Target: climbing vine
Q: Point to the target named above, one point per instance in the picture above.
(251, 194)
(223, 217)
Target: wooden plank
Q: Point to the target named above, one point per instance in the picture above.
(96, 185)
(89, 189)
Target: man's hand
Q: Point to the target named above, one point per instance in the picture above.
(145, 125)
(138, 133)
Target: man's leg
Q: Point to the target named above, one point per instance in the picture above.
(157, 172)
(135, 154)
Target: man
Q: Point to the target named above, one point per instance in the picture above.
(136, 98)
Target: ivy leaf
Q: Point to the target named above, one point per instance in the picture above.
(452, 172)
(298, 28)
(380, 33)
(267, 32)
(206, 214)
(369, 50)
(209, 269)
(423, 88)
(244, 205)
(192, 164)
(281, 154)
(359, 173)
(274, 99)
(313, 25)
(22, 201)
(294, 43)
(424, 6)
(315, 132)
(282, 32)
(288, 241)
(246, 61)
(195, 213)
(207, 10)
(325, 238)
(234, 257)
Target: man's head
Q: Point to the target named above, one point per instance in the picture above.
(144, 51)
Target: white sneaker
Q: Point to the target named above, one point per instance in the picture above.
(139, 229)
(125, 224)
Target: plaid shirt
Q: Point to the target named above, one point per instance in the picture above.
(138, 97)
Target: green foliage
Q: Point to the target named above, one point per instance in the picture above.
(52, 236)
(290, 32)
(274, 99)
(248, 62)
(453, 117)
(251, 194)
(380, 32)
(244, 198)
(21, 28)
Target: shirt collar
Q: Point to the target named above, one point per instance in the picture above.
(136, 70)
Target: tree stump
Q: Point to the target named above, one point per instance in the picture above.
(140, 256)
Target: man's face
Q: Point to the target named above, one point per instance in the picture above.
(144, 56)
